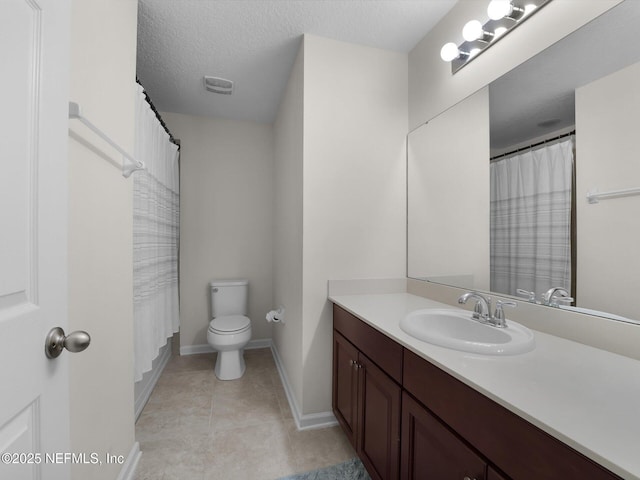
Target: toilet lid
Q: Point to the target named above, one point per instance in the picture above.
(230, 323)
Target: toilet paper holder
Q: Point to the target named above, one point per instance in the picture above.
(276, 316)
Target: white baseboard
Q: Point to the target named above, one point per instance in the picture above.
(196, 349)
(128, 470)
(206, 348)
(143, 396)
(258, 343)
(303, 422)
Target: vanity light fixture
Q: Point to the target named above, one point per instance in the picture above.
(504, 16)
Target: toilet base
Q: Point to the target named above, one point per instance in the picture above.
(230, 365)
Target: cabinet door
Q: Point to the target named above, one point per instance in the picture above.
(431, 452)
(345, 386)
(379, 433)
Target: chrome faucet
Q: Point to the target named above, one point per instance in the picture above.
(555, 294)
(482, 309)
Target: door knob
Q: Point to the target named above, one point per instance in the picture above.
(57, 341)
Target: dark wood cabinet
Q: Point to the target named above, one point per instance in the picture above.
(430, 451)
(449, 430)
(345, 387)
(516, 447)
(493, 475)
(385, 353)
(367, 403)
(379, 439)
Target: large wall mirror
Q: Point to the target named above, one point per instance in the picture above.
(533, 182)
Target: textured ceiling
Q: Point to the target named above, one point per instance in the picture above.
(254, 44)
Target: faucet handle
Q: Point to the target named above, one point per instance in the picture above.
(557, 299)
(531, 296)
(478, 310)
(499, 313)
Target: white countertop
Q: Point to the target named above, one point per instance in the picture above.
(586, 397)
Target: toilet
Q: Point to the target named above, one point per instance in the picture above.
(230, 329)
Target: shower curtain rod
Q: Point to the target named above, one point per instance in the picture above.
(158, 116)
(521, 149)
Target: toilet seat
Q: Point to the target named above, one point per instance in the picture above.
(229, 324)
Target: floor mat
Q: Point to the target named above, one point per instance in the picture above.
(349, 470)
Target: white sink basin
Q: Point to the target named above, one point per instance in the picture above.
(456, 329)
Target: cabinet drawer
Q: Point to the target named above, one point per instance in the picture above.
(383, 351)
(518, 448)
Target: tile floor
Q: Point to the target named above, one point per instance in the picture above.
(198, 427)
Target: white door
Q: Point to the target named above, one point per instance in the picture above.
(34, 398)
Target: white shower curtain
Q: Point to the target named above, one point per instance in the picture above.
(156, 197)
(531, 219)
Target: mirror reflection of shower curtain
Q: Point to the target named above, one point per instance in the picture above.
(156, 223)
(531, 219)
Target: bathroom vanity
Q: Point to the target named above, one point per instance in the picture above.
(413, 410)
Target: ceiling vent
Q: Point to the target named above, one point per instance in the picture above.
(218, 85)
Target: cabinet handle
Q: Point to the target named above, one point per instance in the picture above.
(355, 364)
(468, 478)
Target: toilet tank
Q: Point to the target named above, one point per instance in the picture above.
(229, 297)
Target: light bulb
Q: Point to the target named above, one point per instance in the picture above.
(499, 31)
(472, 31)
(449, 52)
(474, 52)
(498, 9)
